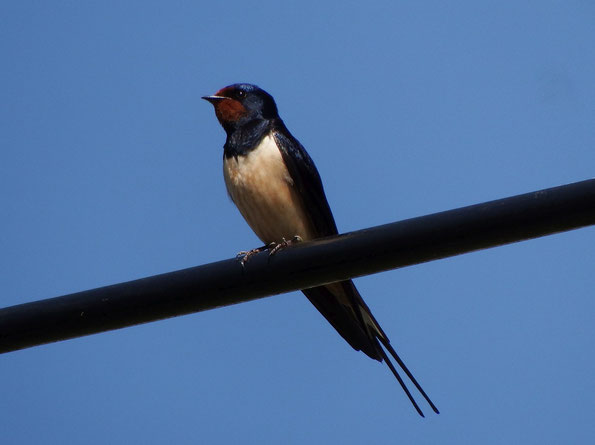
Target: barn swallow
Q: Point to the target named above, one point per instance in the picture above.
(276, 187)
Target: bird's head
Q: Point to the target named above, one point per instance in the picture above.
(241, 103)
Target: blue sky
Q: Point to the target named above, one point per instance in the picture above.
(110, 170)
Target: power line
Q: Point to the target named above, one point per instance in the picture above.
(305, 265)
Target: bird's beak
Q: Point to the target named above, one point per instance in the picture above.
(214, 99)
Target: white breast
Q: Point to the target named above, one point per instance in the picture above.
(260, 186)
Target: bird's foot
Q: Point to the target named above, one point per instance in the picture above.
(273, 248)
(245, 255)
(283, 244)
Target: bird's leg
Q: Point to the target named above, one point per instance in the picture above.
(283, 244)
(273, 248)
(245, 255)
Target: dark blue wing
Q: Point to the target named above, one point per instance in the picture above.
(307, 181)
(341, 304)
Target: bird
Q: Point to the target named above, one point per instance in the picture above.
(275, 185)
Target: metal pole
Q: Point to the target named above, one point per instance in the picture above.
(306, 265)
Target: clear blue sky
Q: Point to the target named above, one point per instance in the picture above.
(110, 170)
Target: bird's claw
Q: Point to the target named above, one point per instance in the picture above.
(244, 255)
(283, 244)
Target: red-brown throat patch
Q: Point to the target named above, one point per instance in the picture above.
(229, 110)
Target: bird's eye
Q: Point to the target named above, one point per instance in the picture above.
(241, 93)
